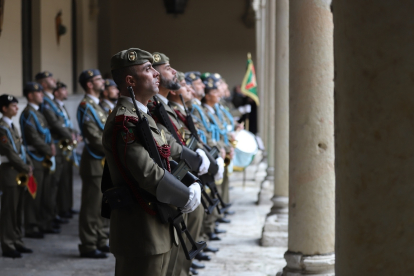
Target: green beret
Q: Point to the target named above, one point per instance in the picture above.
(205, 76)
(160, 58)
(130, 57)
(180, 76)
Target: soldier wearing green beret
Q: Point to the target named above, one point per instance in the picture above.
(37, 139)
(91, 120)
(140, 242)
(15, 164)
(195, 219)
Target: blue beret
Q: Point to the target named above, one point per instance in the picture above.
(109, 82)
(42, 75)
(88, 74)
(210, 83)
(32, 87)
(191, 76)
(5, 100)
(216, 77)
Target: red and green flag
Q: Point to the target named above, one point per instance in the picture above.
(249, 84)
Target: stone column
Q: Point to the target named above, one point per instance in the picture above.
(311, 142)
(374, 130)
(260, 48)
(274, 231)
(268, 105)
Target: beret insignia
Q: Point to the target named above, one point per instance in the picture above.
(36, 86)
(217, 75)
(132, 56)
(47, 73)
(9, 98)
(157, 58)
(90, 73)
(210, 85)
(192, 76)
(107, 82)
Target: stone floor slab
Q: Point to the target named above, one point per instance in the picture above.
(240, 253)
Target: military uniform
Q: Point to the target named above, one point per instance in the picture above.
(91, 119)
(13, 161)
(37, 139)
(65, 186)
(139, 241)
(59, 128)
(194, 219)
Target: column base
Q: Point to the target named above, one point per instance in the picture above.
(266, 186)
(276, 225)
(298, 265)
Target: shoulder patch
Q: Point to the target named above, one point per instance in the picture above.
(128, 136)
(4, 139)
(82, 103)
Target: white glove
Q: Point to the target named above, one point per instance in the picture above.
(194, 199)
(245, 109)
(205, 163)
(219, 174)
(248, 108)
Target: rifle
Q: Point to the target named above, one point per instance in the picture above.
(165, 211)
(184, 167)
(207, 179)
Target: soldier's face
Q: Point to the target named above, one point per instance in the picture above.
(49, 83)
(11, 110)
(199, 86)
(61, 94)
(213, 96)
(184, 91)
(112, 93)
(98, 84)
(147, 79)
(168, 77)
(36, 97)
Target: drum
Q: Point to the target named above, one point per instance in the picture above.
(245, 150)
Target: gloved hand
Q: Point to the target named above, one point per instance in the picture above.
(205, 163)
(248, 108)
(194, 199)
(219, 174)
(245, 109)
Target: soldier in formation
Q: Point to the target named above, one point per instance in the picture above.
(140, 131)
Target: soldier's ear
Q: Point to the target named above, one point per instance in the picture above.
(89, 84)
(130, 81)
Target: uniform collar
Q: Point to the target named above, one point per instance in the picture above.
(111, 104)
(142, 107)
(50, 95)
(93, 98)
(59, 102)
(162, 98)
(7, 120)
(35, 106)
(179, 105)
(210, 109)
(197, 101)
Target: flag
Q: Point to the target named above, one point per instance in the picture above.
(249, 84)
